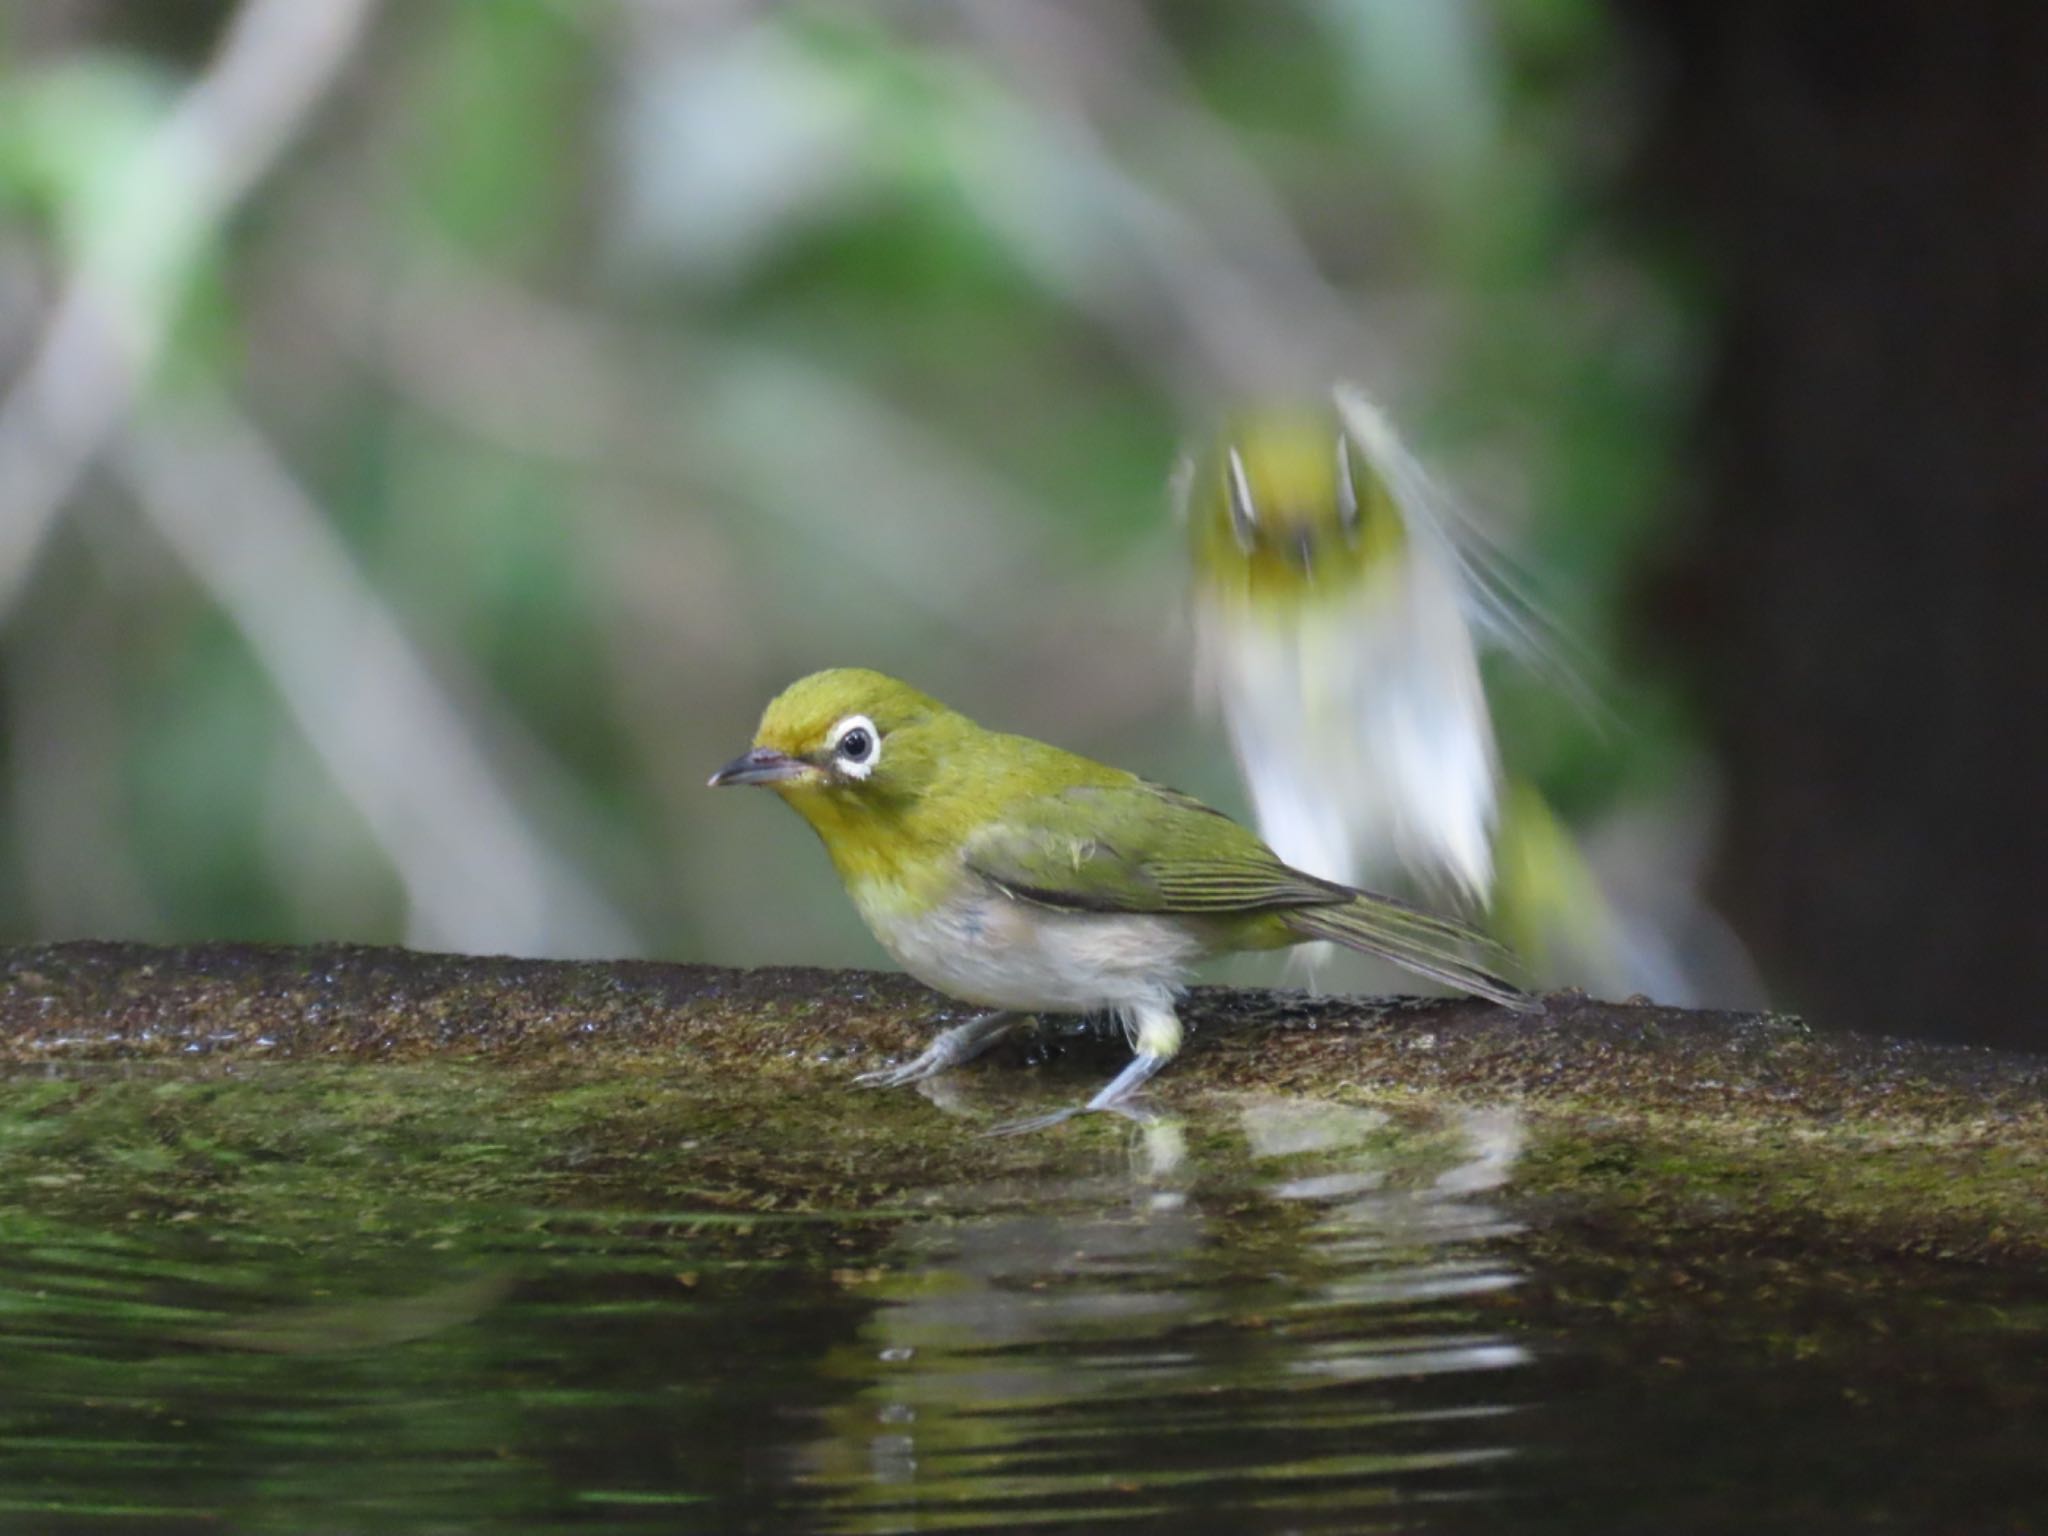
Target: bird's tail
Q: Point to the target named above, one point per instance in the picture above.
(1436, 947)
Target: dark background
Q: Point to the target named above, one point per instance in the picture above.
(1869, 184)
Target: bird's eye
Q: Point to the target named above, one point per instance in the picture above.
(856, 746)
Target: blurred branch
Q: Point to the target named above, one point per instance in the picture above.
(476, 875)
(506, 364)
(1246, 308)
(107, 328)
(839, 463)
(770, 428)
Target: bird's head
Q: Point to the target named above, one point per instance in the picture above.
(854, 751)
(1292, 499)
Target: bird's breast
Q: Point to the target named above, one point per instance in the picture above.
(989, 949)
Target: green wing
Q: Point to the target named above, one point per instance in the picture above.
(1137, 847)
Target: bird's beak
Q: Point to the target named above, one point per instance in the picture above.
(763, 765)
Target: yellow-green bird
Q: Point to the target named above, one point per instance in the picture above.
(1023, 879)
(1339, 604)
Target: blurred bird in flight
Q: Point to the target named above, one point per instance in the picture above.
(1341, 602)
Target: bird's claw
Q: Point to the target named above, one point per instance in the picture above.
(956, 1047)
(1123, 1109)
(1115, 1098)
(1033, 1122)
(896, 1077)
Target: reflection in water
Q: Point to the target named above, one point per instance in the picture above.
(1281, 1331)
(390, 1299)
(396, 1300)
(440, 1300)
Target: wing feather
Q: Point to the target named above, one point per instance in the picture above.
(1141, 848)
(1137, 847)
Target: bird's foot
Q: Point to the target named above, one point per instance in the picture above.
(957, 1046)
(904, 1072)
(1115, 1099)
(1127, 1082)
(1033, 1122)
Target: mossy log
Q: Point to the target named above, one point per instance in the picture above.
(1743, 1120)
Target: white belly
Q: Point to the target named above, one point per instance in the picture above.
(984, 948)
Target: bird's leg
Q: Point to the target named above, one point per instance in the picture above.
(1127, 1082)
(1156, 1036)
(958, 1045)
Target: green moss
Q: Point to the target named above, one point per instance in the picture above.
(727, 1091)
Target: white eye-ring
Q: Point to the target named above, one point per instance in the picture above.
(856, 745)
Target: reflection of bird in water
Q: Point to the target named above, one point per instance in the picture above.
(1341, 602)
(1287, 1304)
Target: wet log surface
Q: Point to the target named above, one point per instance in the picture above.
(1681, 1120)
(127, 1002)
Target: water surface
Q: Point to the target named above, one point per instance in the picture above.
(474, 1298)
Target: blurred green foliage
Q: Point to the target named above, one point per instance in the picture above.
(634, 357)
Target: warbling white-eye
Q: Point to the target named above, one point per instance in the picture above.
(1340, 603)
(1023, 879)
(1337, 608)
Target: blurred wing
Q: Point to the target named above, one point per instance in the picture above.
(1494, 588)
(1136, 847)
(1360, 724)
